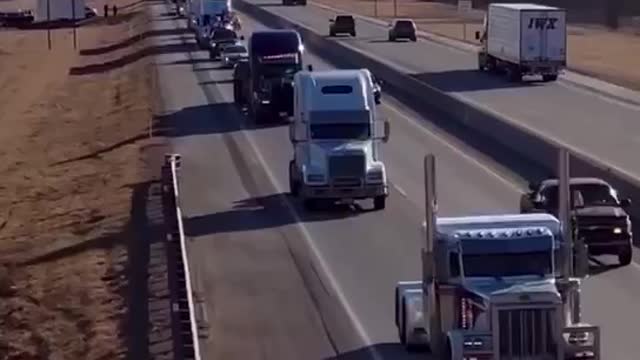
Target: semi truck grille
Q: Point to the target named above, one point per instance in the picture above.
(347, 166)
(527, 334)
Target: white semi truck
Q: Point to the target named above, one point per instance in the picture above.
(336, 132)
(498, 287)
(523, 39)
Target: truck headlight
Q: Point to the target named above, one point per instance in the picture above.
(617, 230)
(476, 343)
(375, 176)
(315, 178)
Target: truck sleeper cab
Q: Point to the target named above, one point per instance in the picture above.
(496, 282)
(275, 56)
(334, 136)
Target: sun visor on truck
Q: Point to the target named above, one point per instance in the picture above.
(280, 59)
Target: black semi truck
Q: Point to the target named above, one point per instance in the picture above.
(265, 82)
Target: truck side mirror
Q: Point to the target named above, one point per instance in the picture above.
(241, 37)
(625, 203)
(533, 186)
(310, 67)
(578, 201)
(477, 35)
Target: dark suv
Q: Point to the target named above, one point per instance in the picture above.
(402, 29)
(598, 214)
(219, 38)
(342, 24)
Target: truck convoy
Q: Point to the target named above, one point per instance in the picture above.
(334, 133)
(523, 39)
(598, 218)
(499, 287)
(265, 83)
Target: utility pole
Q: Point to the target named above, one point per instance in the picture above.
(73, 15)
(49, 23)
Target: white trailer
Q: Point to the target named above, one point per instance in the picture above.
(55, 10)
(524, 39)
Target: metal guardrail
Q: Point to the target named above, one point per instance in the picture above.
(184, 326)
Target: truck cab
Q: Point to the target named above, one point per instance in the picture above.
(275, 56)
(599, 215)
(495, 287)
(335, 135)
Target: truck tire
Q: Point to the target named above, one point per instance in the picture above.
(514, 74)
(332, 34)
(414, 38)
(625, 256)
(549, 77)
(402, 333)
(353, 33)
(391, 38)
(380, 202)
(310, 204)
(237, 93)
(294, 185)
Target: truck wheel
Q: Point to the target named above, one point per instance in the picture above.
(514, 74)
(414, 38)
(379, 202)
(294, 186)
(625, 256)
(402, 334)
(549, 77)
(310, 204)
(332, 34)
(391, 38)
(353, 33)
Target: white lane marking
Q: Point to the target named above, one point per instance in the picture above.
(316, 253)
(454, 148)
(400, 190)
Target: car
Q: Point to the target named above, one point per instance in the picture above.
(402, 29)
(220, 37)
(90, 12)
(232, 54)
(599, 215)
(342, 24)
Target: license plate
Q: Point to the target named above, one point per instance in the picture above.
(282, 113)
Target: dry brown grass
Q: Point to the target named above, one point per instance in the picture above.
(69, 157)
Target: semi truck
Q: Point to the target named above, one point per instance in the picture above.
(203, 15)
(498, 287)
(275, 56)
(523, 39)
(335, 135)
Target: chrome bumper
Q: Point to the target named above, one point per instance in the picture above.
(344, 192)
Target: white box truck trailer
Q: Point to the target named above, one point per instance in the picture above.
(59, 10)
(524, 39)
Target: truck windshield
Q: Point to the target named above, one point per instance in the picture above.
(592, 195)
(504, 265)
(325, 125)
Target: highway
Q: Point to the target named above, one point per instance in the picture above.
(603, 127)
(280, 283)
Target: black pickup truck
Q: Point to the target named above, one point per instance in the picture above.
(598, 214)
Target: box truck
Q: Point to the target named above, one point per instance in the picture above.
(523, 39)
(60, 10)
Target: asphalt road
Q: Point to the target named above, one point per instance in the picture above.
(279, 282)
(605, 128)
